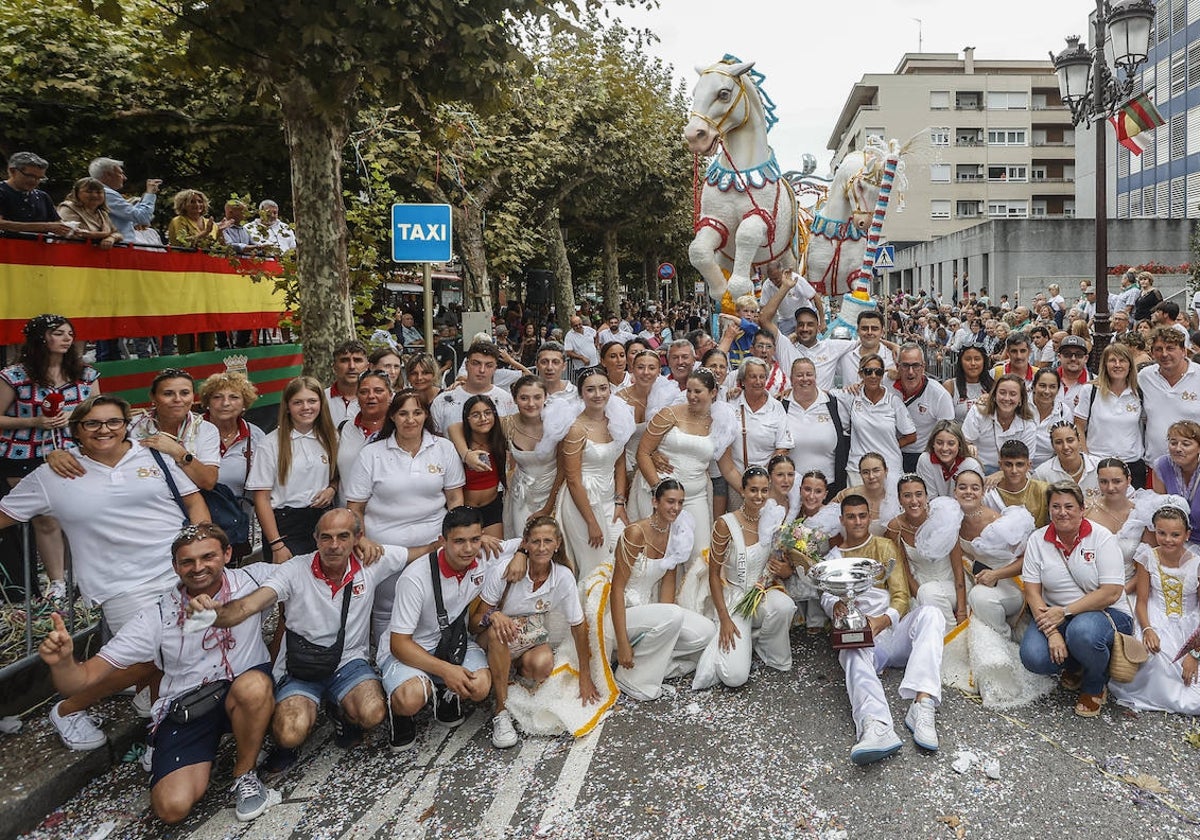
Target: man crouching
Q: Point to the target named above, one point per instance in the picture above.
(214, 681)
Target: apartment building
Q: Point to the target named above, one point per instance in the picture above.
(992, 140)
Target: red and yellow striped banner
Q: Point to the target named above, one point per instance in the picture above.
(128, 292)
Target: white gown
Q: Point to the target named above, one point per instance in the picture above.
(529, 486)
(598, 462)
(929, 557)
(1174, 613)
(690, 456)
(767, 632)
(638, 503)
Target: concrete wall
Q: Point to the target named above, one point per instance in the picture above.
(998, 254)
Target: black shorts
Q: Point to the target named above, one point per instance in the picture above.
(296, 527)
(18, 467)
(179, 745)
(493, 511)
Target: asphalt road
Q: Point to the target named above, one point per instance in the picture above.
(767, 761)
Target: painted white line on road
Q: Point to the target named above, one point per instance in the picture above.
(426, 774)
(570, 780)
(513, 783)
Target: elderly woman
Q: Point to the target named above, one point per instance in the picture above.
(120, 516)
(225, 398)
(1074, 579)
(37, 396)
(87, 211)
(762, 429)
(191, 228)
(1176, 472)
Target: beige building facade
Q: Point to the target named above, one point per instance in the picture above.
(991, 140)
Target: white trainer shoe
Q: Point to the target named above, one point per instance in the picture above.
(504, 734)
(879, 740)
(142, 704)
(920, 721)
(77, 730)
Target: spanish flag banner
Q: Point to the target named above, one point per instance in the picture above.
(1136, 116)
(126, 292)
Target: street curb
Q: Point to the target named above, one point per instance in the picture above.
(54, 773)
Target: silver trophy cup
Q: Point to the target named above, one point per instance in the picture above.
(847, 578)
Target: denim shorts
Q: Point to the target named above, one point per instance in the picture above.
(720, 487)
(335, 688)
(396, 673)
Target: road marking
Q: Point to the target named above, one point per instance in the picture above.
(513, 784)
(390, 805)
(570, 780)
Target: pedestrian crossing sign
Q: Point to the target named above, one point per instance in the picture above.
(885, 257)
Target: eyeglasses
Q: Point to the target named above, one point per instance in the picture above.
(871, 372)
(112, 424)
(41, 179)
(912, 365)
(481, 415)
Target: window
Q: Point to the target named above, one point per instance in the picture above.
(1008, 209)
(939, 136)
(1123, 206)
(1069, 208)
(875, 132)
(1177, 204)
(1007, 100)
(939, 173)
(1008, 173)
(968, 172)
(968, 209)
(1178, 15)
(1148, 201)
(1193, 62)
(1135, 204)
(1177, 144)
(1193, 191)
(939, 100)
(1179, 73)
(1037, 173)
(1006, 137)
(939, 209)
(968, 137)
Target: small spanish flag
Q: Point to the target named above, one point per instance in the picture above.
(1136, 116)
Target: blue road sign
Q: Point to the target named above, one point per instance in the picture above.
(421, 233)
(666, 271)
(886, 257)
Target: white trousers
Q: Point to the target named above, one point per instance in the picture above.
(665, 637)
(766, 635)
(993, 605)
(942, 595)
(917, 644)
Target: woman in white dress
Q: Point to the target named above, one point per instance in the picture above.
(1167, 613)
(813, 488)
(592, 503)
(717, 361)
(876, 489)
(653, 636)
(645, 365)
(1070, 462)
(612, 359)
(741, 553)
(945, 455)
(785, 490)
(690, 438)
(1128, 515)
(925, 533)
(533, 435)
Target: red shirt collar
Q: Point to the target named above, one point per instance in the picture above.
(334, 391)
(1028, 370)
(243, 432)
(352, 568)
(1085, 529)
(449, 571)
(1083, 379)
(916, 393)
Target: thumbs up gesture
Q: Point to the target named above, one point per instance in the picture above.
(58, 647)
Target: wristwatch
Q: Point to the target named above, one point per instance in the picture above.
(1195, 654)
(186, 459)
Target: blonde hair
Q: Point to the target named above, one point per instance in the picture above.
(1102, 376)
(228, 381)
(181, 199)
(746, 302)
(323, 428)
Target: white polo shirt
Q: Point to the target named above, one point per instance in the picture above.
(351, 440)
(308, 475)
(873, 427)
(765, 431)
(824, 355)
(926, 407)
(414, 611)
(188, 660)
(1169, 403)
(799, 295)
(120, 521)
(558, 593)
(235, 466)
(315, 609)
(1114, 423)
(1089, 482)
(583, 343)
(405, 495)
(814, 435)
(982, 431)
(1095, 561)
(621, 336)
(447, 406)
(849, 363)
(340, 407)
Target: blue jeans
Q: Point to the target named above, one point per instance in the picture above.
(1089, 639)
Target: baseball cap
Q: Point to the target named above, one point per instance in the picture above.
(1072, 341)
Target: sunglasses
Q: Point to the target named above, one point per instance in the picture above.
(871, 372)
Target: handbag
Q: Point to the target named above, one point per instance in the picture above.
(1128, 654)
(198, 702)
(316, 663)
(226, 510)
(452, 646)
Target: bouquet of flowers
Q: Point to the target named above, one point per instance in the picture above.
(801, 546)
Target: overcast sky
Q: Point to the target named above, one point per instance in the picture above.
(812, 58)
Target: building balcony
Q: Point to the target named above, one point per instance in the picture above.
(1052, 143)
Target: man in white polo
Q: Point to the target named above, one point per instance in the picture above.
(1170, 390)
(927, 402)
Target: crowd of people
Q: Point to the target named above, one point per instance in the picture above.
(613, 502)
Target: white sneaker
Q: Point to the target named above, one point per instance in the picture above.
(77, 730)
(147, 759)
(920, 721)
(504, 734)
(879, 740)
(142, 704)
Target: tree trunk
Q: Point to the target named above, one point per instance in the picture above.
(612, 273)
(315, 141)
(468, 231)
(563, 293)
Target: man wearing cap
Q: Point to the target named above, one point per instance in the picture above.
(1072, 370)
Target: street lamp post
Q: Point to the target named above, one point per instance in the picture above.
(1094, 84)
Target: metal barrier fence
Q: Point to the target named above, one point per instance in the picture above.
(940, 362)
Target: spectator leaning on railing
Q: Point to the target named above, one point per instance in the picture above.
(125, 214)
(23, 207)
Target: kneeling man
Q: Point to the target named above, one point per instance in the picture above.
(912, 638)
